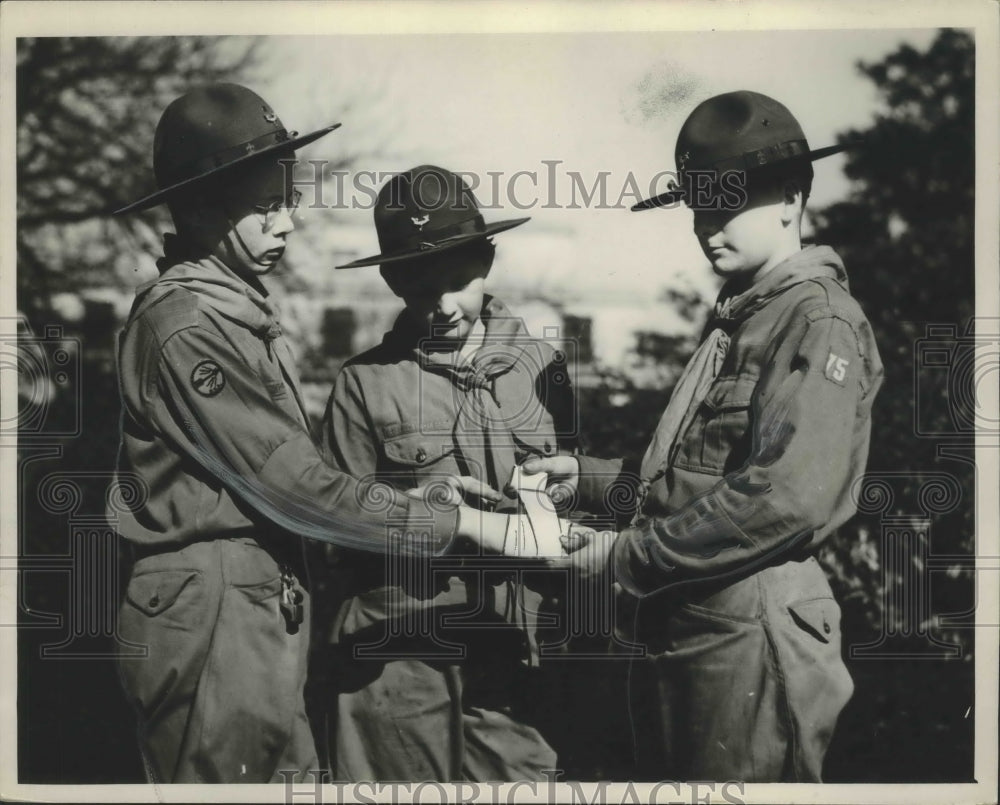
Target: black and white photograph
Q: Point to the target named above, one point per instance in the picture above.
(500, 402)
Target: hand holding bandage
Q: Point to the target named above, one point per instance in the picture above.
(560, 477)
(535, 530)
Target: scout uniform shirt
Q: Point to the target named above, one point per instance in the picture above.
(405, 416)
(215, 432)
(771, 453)
(217, 478)
(722, 586)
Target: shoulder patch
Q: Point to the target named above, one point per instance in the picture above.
(207, 378)
(836, 368)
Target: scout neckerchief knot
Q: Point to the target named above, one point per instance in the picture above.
(480, 416)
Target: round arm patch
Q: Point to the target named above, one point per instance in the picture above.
(207, 378)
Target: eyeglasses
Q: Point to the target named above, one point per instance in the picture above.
(269, 213)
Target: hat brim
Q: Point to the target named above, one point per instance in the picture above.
(433, 248)
(165, 193)
(673, 196)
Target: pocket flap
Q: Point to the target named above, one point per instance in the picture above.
(731, 392)
(818, 616)
(157, 590)
(419, 449)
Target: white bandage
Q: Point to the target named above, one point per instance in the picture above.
(536, 529)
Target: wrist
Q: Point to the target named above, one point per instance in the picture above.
(485, 529)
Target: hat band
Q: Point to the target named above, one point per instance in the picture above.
(428, 239)
(751, 160)
(231, 154)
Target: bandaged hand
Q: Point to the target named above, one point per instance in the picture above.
(524, 540)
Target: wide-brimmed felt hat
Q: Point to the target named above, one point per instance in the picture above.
(427, 210)
(212, 129)
(737, 131)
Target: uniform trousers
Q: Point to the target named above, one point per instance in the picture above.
(743, 683)
(414, 720)
(220, 694)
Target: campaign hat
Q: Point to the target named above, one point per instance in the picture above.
(736, 131)
(210, 130)
(427, 210)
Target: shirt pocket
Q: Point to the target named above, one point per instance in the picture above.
(719, 440)
(418, 458)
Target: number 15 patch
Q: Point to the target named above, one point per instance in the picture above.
(836, 368)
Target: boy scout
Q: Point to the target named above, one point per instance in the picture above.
(214, 431)
(751, 467)
(456, 393)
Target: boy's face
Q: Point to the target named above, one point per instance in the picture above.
(741, 242)
(249, 238)
(444, 293)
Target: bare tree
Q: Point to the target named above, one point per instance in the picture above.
(87, 108)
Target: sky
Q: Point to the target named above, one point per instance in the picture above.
(555, 104)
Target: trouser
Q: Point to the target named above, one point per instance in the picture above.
(743, 683)
(412, 720)
(220, 694)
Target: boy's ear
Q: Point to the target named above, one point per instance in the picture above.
(792, 201)
(489, 252)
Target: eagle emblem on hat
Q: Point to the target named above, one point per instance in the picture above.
(419, 222)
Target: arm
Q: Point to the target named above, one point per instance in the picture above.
(266, 457)
(794, 488)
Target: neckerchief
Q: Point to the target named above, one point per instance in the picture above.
(241, 301)
(482, 430)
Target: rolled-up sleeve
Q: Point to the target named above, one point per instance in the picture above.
(810, 435)
(222, 415)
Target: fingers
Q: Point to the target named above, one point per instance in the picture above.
(453, 490)
(468, 486)
(554, 465)
(561, 493)
(535, 465)
(576, 538)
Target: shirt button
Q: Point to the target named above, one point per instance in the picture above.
(547, 447)
(421, 455)
(826, 627)
(154, 601)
